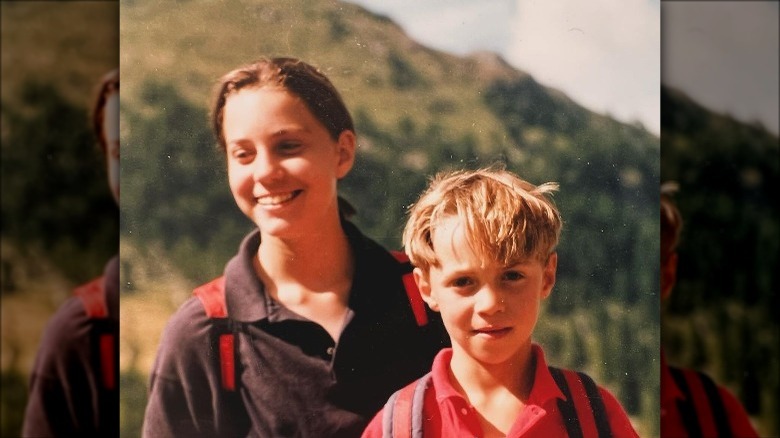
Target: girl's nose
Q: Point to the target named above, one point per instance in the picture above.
(266, 167)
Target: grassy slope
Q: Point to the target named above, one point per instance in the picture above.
(352, 46)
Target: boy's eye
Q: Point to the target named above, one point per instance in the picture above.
(461, 282)
(512, 275)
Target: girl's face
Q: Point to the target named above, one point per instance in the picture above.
(488, 309)
(282, 163)
(111, 138)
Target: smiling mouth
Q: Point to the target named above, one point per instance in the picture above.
(276, 200)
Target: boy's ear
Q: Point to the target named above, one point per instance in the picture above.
(425, 288)
(346, 153)
(548, 276)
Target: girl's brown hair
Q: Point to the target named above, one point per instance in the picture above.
(294, 76)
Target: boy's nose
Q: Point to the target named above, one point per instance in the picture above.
(488, 301)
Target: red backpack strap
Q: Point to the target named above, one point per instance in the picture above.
(583, 410)
(212, 297)
(403, 415)
(93, 297)
(412, 292)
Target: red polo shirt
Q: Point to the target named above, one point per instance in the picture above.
(449, 414)
(671, 420)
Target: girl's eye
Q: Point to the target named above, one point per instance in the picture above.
(240, 153)
(289, 147)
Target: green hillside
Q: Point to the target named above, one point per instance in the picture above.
(58, 221)
(68, 45)
(721, 316)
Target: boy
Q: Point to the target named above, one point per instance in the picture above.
(483, 246)
(692, 404)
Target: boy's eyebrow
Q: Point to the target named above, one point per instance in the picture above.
(457, 271)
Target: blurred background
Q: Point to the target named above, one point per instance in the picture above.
(417, 109)
(719, 142)
(59, 221)
(559, 92)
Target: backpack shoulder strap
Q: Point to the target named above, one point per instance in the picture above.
(716, 405)
(583, 410)
(403, 415)
(685, 406)
(212, 297)
(702, 410)
(412, 292)
(93, 297)
(596, 405)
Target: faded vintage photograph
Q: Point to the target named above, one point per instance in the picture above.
(271, 154)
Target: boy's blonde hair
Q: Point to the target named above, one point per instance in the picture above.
(506, 218)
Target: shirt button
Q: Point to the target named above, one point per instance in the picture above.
(330, 351)
(464, 411)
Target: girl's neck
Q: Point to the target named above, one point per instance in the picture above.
(310, 275)
(313, 261)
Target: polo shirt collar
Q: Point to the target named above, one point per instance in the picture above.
(544, 387)
(245, 295)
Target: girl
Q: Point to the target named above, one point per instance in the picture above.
(317, 315)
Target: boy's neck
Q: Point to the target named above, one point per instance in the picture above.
(472, 377)
(498, 392)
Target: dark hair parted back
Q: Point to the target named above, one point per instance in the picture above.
(108, 85)
(293, 76)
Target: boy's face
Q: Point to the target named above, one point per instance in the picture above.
(489, 310)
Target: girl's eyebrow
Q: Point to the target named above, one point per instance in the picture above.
(278, 133)
(290, 130)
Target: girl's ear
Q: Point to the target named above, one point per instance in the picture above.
(548, 276)
(424, 286)
(346, 153)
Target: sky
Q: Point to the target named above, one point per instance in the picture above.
(606, 54)
(725, 56)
